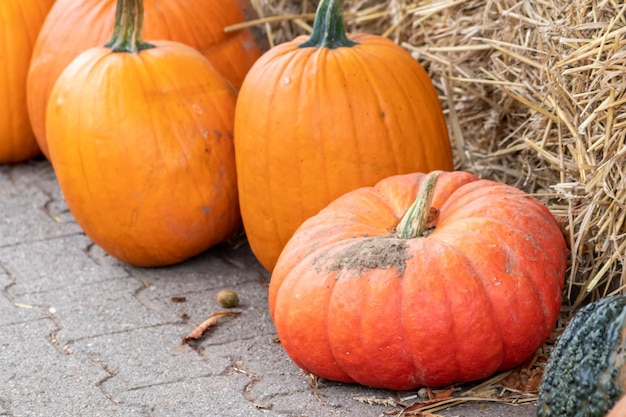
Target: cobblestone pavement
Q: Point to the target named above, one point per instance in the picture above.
(84, 335)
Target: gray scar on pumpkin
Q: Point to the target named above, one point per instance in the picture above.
(373, 253)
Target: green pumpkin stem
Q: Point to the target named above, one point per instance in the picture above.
(413, 223)
(127, 30)
(328, 28)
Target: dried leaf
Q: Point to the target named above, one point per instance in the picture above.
(526, 378)
(211, 321)
(434, 397)
(432, 401)
(441, 394)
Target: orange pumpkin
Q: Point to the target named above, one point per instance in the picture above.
(76, 25)
(466, 283)
(321, 116)
(141, 141)
(20, 21)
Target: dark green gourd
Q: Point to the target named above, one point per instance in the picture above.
(586, 373)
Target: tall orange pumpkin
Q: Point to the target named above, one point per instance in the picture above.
(76, 25)
(319, 117)
(140, 138)
(20, 21)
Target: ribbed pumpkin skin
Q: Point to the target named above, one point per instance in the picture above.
(353, 303)
(20, 21)
(314, 123)
(585, 375)
(74, 26)
(142, 147)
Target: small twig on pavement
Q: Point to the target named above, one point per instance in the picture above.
(211, 321)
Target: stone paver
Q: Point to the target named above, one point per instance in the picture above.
(82, 334)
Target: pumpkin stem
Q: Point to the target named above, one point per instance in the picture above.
(127, 30)
(413, 223)
(328, 27)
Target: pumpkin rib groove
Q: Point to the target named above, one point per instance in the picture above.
(408, 305)
(339, 71)
(487, 299)
(478, 196)
(532, 279)
(389, 320)
(148, 79)
(86, 75)
(315, 58)
(468, 195)
(275, 182)
(356, 326)
(525, 280)
(291, 285)
(104, 172)
(346, 346)
(404, 304)
(480, 280)
(325, 57)
(32, 37)
(186, 149)
(375, 92)
(412, 336)
(432, 351)
(393, 77)
(418, 74)
(455, 339)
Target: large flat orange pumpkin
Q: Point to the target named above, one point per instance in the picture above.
(472, 286)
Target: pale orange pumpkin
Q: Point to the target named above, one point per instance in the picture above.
(140, 138)
(20, 21)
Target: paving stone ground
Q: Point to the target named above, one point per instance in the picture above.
(82, 334)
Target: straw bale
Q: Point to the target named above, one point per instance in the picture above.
(534, 93)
